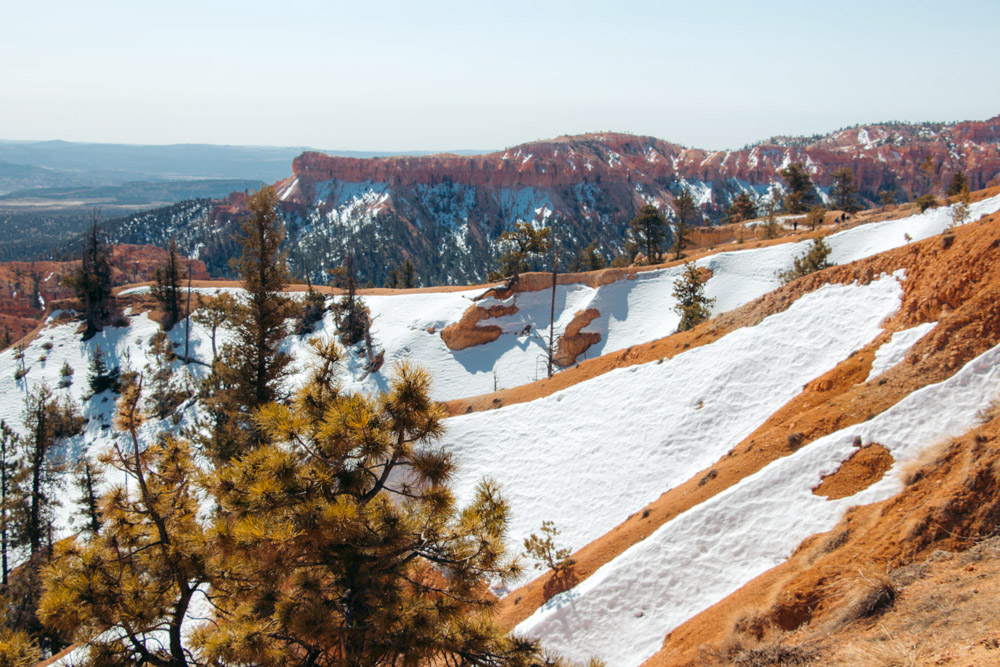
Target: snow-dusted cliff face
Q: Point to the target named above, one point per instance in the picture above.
(445, 212)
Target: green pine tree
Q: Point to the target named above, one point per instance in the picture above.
(814, 259)
(800, 192)
(743, 207)
(647, 231)
(845, 189)
(692, 304)
(167, 287)
(685, 209)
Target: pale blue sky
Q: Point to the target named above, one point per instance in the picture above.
(451, 75)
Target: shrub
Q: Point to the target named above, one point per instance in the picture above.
(926, 201)
(545, 553)
(692, 304)
(815, 259)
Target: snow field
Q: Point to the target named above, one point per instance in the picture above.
(893, 352)
(588, 456)
(623, 611)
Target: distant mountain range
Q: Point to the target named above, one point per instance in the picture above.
(43, 164)
(445, 212)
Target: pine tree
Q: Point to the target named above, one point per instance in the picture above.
(814, 259)
(692, 304)
(960, 210)
(167, 287)
(86, 480)
(518, 245)
(685, 209)
(403, 276)
(91, 283)
(958, 184)
(353, 316)
(887, 197)
(927, 171)
(800, 191)
(47, 421)
(260, 324)
(771, 226)
(139, 573)
(647, 231)
(347, 545)
(13, 497)
(815, 218)
(250, 370)
(164, 394)
(844, 190)
(743, 207)
(311, 312)
(588, 259)
(101, 377)
(544, 550)
(213, 313)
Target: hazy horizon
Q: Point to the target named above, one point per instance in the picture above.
(483, 151)
(447, 76)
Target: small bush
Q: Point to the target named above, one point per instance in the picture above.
(926, 201)
(869, 596)
(544, 551)
(773, 653)
(310, 313)
(814, 259)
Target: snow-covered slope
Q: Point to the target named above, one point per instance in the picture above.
(623, 611)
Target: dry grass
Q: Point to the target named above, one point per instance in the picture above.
(990, 412)
(887, 653)
(914, 470)
(755, 641)
(871, 595)
(865, 596)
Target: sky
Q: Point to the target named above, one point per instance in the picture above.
(404, 76)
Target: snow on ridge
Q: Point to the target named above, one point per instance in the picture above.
(623, 611)
(894, 351)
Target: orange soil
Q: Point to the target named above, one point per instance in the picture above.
(573, 343)
(958, 286)
(865, 467)
(951, 503)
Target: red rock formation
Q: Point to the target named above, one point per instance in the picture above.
(875, 152)
(467, 332)
(573, 343)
